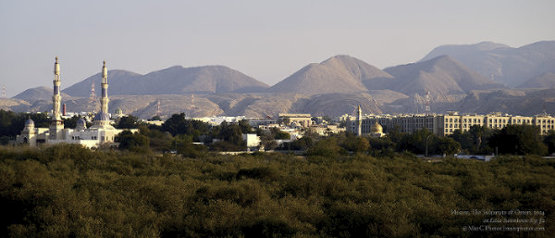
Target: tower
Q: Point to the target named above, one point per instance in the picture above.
(359, 121)
(104, 100)
(102, 118)
(56, 124)
(3, 91)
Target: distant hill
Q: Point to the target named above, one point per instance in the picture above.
(513, 101)
(440, 76)
(118, 80)
(38, 93)
(173, 80)
(33, 94)
(546, 80)
(338, 74)
(510, 66)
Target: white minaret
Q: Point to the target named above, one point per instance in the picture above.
(56, 125)
(359, 121)
(104, 100)
(102, 119)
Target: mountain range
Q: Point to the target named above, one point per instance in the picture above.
(504, 64)
(469, 78)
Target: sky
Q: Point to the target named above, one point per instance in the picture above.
(267, 40)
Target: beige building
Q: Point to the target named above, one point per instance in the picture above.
(545, 122)
(446, 124)
(295, 119)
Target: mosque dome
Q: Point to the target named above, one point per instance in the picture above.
(102, 117)
(81, 124)
(29, 123)
(377, 128)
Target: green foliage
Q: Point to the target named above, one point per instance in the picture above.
(71, 122)
(127, 122)
(518, 139)
(549, 141)
(184, 146)
(326, 147)
(66, 191)
(475, 140)
(11, 123)
(178, 125)
(133, 142)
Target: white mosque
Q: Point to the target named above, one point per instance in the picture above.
(102, 132)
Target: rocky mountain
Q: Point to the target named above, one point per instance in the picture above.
(173, 80)
(441, 76)
(119, 81)
(34, 94)
(333, 87)
(507, 65)
(546, 80)
(516, 102)
(338, 74)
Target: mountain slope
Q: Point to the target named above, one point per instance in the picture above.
(172, 80)
(338, 74)
(34, 94)
(440, 76)
(38, 93)
(546, 80)
(510, 66)
(118, 80)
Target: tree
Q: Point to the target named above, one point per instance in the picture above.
(231, 132)
(279, 135)
(133, 142)
(446, 145)
(518, 139)
(183, 144)
(326, 147)
(178, 125)
(355, 144)
(71, 122)
(549, 141)
(127, 122)
(245, 126)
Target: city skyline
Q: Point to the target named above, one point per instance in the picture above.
(267, 41)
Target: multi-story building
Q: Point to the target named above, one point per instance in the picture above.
(446, 124)
(545, 122)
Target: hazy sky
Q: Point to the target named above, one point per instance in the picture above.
(267, 40)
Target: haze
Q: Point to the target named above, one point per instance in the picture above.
(265, 40)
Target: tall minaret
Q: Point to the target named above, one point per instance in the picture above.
(102, 119)
(56, 125)
(104, 100)
(359, 121)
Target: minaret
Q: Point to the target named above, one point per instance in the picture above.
(104, 100)
(359, 121)
(102, 119)
(56, 125)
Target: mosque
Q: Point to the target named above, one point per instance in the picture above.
(101, 133)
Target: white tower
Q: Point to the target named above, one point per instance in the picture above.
(359, 121)
(102, 119)
(56, 125)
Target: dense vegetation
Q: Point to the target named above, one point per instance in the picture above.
(65, 190)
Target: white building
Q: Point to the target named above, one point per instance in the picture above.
(102, 132)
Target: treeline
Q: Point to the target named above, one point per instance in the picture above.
(69, 191)
(177, 135)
